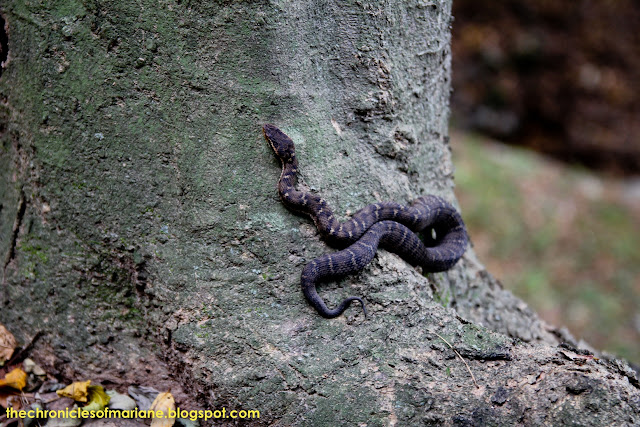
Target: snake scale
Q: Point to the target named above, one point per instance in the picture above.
(389, 225)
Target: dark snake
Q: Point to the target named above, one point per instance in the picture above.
(389, 225)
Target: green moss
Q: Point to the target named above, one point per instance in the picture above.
(347, 406)
(34, 251)
(442, 297)
(482, 339)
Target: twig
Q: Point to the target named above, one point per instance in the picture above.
(461, 358)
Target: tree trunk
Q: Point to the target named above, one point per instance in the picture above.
(143, 238)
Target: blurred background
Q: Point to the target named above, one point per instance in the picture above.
(546, 142)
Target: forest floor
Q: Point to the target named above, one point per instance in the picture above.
(560, 237)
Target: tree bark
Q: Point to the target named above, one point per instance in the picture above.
(143, 237)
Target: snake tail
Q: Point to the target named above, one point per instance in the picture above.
(392, 236)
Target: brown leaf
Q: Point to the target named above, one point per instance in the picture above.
(4, 395)
(7, 344)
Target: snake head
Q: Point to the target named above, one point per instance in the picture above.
(280, 142)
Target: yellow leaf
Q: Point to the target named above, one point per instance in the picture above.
(98, 399)
(77, 391)
(7, 344)
(163, 402)
(15, 379)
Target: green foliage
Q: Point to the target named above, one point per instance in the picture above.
(559, 237)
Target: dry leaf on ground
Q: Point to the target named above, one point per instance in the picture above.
(5, 395)
(7, 344)
(77, 391)
(164, 402)
(98, 399)
(15, 379)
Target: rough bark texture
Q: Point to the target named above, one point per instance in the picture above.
(143, 236)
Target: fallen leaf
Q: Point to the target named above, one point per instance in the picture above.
(98, 399)
(16, 402)
(164, 402)
(4, 395)
(77, 391)
(15, 379)
(7, 344)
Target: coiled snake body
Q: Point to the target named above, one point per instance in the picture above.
(389, 225)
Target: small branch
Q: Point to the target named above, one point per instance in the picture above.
(461, 358)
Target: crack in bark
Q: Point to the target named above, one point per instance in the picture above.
(22, 207)
(11, 254)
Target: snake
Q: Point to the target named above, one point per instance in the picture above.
(389, 225)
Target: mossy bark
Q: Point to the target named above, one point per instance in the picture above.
(142, 235)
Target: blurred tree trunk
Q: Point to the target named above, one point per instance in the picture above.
(142, 235)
